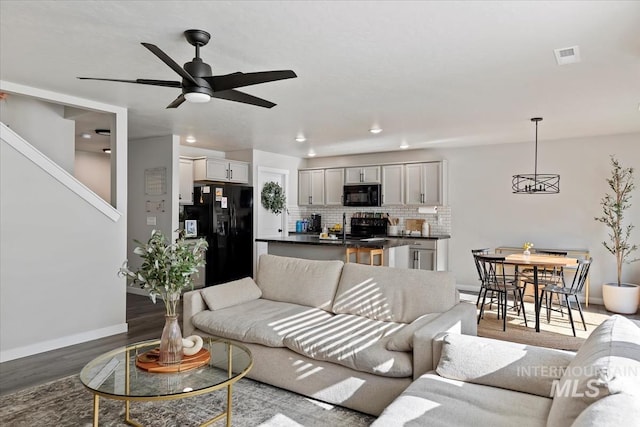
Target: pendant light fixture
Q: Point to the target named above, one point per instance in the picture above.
(536, 183)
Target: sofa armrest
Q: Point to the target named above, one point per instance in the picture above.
(192, 303)
(460, 319)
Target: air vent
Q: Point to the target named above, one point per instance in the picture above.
(567, 55)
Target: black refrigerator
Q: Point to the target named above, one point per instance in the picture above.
(224, 215)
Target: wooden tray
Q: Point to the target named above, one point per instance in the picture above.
(149, 361)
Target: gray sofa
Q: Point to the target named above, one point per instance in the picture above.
(481, 381)
(341, 333)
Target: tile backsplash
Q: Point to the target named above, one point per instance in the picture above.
(439, 223)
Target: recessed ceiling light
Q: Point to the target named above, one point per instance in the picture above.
(311, 153)
(375, 130)
(404, 145)
(85, 135)
(300, 138)
(190, 139)
(106, 150)
(103, 132)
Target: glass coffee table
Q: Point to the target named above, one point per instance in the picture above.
(114, 375)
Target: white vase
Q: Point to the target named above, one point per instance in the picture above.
(623, 299)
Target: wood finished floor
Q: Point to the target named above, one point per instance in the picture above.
(145, 321)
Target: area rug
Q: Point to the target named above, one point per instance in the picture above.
(554, 334)
(66, 402)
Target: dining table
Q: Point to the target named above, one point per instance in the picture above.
(537, 262)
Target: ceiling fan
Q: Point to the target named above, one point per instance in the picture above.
(199, 85)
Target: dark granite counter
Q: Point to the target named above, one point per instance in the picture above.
(377, 242)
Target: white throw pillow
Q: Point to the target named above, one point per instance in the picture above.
(230, 293)
(503, 364)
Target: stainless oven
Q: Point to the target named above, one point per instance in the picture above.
(362, 195)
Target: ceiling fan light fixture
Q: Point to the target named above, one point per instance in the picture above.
(536, 183)
(197, 97)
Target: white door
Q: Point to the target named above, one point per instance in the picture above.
(269, 224)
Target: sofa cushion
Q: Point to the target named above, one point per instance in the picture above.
(607, 363)
(352, 341)
(503, 364)
(435, 401)
(393, 294)
(230, 293)
(620, 409)
(402, 340)
(259, 321)
(298, 281)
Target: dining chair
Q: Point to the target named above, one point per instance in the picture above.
(551, 275)
(497, 280)
(577, 284)
(474, 252)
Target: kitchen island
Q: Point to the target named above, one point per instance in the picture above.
(310, 246)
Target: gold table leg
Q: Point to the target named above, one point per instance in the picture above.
(96, 409)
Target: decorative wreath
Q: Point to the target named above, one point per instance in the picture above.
(273, 198)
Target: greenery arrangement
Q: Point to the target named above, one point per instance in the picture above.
(167, 267)
(613, 208)
(273, 198)
(527, 245)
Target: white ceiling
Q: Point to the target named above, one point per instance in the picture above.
(430, 73)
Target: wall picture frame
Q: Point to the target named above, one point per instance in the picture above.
(190, 228)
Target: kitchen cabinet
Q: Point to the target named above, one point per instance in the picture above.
(392, 185)
(362, 175)
(424, 183)
(185, 193)
(311, 187)
(333, 186)
(223, 170)
(427, 254)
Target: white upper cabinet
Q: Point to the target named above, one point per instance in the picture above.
(311, 187)
(424, 183)
(392, 185)
(333, 186)
(185, 196)
(362, 175)
(212, 169)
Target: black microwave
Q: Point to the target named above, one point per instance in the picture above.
(362, 195)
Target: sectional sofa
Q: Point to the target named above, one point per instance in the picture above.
(346, 334)
(485, 382)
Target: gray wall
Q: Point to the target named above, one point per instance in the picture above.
(485, 213)
(43, 125)
(150, 153)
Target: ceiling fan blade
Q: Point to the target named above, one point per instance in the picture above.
(166, 83)
(234, 80)
(176, 102)
(234, 95)
(170, 62)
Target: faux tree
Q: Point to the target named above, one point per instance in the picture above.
(613, 208)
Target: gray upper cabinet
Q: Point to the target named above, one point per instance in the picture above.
(392, 185)
(333, 186)
(212, 169)
(362, 175)
(311, 187)
(424, 183)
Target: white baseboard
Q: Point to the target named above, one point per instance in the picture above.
(41, 347)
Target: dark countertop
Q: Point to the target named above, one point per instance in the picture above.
(384, 242)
